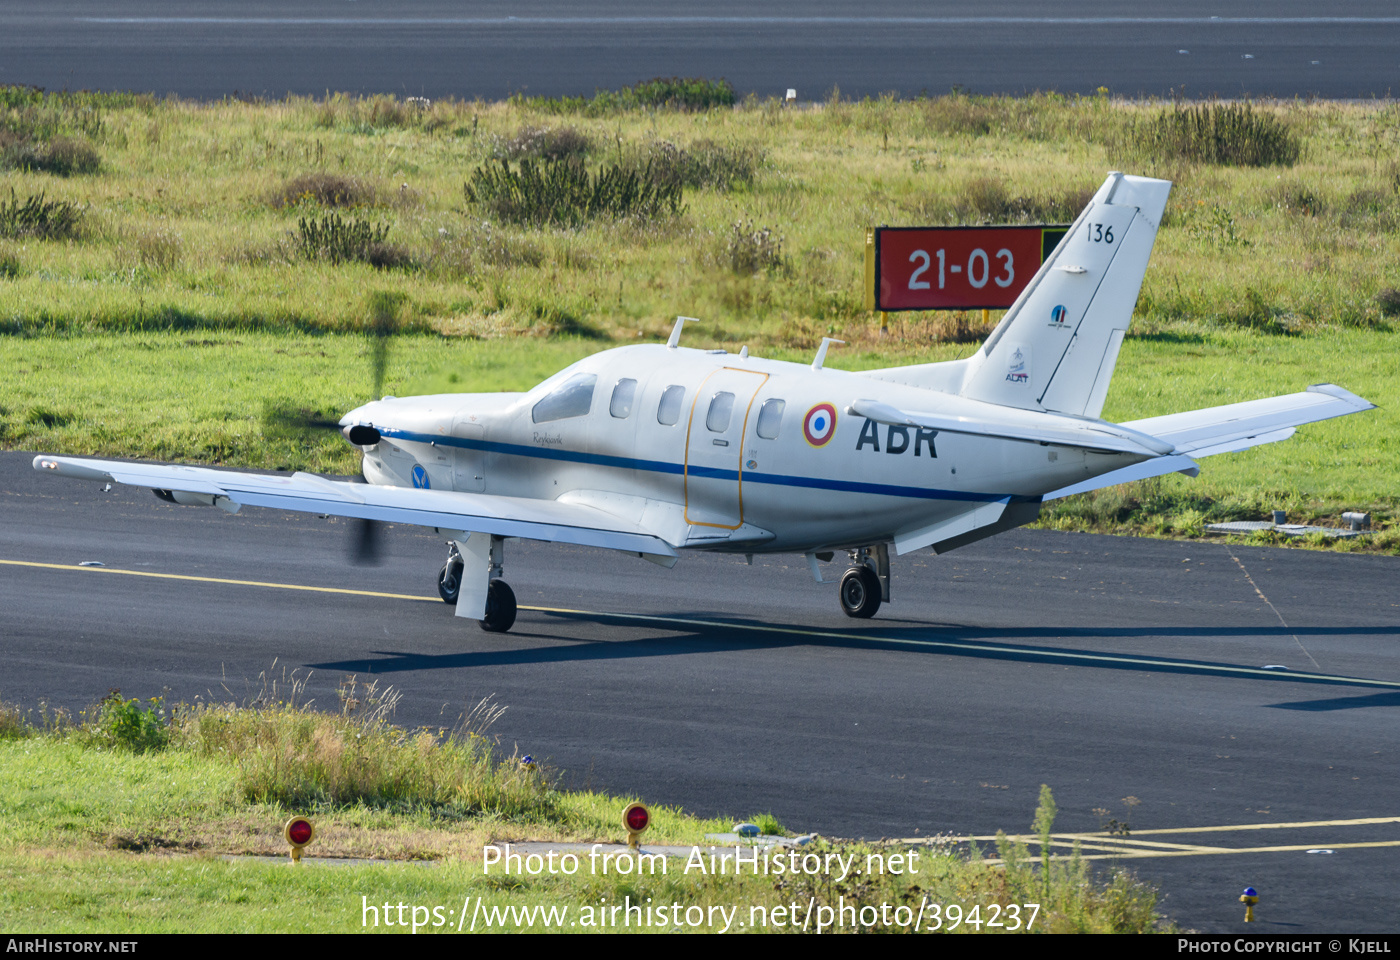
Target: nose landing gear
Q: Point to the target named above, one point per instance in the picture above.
(450, 577)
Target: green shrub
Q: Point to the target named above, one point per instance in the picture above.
(681, 93)
(39, 218)
(129, 726)
(339, 240)
(562, 193)
(665, 93)
(1223, 133)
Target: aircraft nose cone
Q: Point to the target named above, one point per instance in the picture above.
(358, 415)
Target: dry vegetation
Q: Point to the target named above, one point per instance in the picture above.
(619, 210)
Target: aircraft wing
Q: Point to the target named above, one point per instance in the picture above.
(306, 493)
(1235, 426)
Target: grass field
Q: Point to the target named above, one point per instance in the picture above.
(209, 263)
(141, 817)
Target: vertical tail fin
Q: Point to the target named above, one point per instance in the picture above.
(1056, 347)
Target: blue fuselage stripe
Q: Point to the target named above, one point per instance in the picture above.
(678, 469)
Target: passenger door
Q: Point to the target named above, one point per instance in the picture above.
(714, 459)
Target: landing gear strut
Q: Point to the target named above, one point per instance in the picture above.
(467, 559)
(867, 583)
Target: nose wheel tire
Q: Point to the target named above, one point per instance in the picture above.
(860, 592)
(500, 607)
(450, 581)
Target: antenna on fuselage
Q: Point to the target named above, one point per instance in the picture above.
(821, 351)
(675, 338)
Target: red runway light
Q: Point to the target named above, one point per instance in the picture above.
(636, 818)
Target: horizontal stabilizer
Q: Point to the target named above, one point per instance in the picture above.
(1238, 426)
(1225, 429)
(546, 520)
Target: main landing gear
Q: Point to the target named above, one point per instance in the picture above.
(867, 583)
(500, 606)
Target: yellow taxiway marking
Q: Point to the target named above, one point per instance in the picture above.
(1098, 839)
(184, 576)
(926, 644)
(1134, 848)
(1129, 853)
(1295, 825)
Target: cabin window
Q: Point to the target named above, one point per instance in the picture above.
(574, 398)
(721, 409)
(621, 406)
(669, 410)
(770, 418)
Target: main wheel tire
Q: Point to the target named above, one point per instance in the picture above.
(450, 582)
(500, 607)
(860, 592)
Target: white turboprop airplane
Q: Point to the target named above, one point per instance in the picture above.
(654, 450)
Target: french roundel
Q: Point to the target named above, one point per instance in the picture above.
(819, 425)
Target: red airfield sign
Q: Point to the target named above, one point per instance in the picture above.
(957, 268)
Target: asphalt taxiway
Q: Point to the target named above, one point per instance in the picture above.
(494, 48)
(1217, 686)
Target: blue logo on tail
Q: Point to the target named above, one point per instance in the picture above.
(420, 477)
(1058, 315)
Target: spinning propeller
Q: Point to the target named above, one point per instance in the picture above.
(284, 419)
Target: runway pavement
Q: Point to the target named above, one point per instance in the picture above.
(1107, 668)
(212, 48)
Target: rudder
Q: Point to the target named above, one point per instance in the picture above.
(1057, 346)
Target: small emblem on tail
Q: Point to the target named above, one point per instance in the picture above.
(1019, 370)
(1058, 316)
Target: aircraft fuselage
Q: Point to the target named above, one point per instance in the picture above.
(719, 451)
